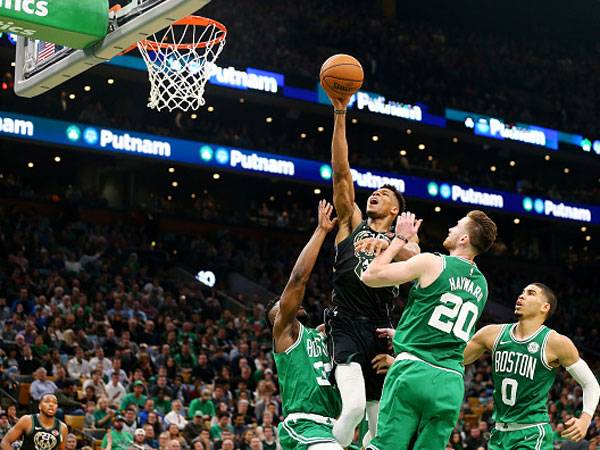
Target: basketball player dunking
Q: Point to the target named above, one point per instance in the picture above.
(41, 431)
(358, 310)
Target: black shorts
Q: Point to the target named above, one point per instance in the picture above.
(354, 339)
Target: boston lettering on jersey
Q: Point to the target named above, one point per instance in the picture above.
(515, 363)
(351, 295)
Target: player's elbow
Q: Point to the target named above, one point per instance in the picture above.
(299, 277)
(369, 277)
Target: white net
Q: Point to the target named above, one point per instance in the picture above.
(180, 59)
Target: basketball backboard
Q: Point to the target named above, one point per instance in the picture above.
(41, 66)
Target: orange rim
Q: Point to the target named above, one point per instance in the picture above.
(190, 20)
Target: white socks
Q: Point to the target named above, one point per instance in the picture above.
(351, 384)
(372, 413)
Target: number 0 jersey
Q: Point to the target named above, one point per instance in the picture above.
(439, 320)
(522, 377)
(304, 376)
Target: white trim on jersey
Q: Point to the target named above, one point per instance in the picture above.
(524, 341)
(295, 344)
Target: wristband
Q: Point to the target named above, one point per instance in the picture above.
(339, 111)
(402, 238)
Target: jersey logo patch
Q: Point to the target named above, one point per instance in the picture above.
(505, 342)
(533, 347)
(44, 441)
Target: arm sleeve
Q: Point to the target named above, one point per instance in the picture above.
(582, 373)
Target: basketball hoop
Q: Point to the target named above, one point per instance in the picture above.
(180, 60)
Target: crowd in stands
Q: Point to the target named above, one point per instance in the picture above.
(156, 363)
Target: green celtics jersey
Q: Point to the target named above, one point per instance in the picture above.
(522, 377)
(439, 320)
(304, 376)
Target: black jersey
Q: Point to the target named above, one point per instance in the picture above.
(41, 438)
(350, 295)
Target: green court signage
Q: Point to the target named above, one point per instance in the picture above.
(70, 23)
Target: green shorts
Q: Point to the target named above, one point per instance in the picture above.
(539, 437)
(419, 407)
(299, 434)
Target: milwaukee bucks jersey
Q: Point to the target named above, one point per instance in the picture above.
(439, 319)
(304, 376)
(522, 377)
(41, 438)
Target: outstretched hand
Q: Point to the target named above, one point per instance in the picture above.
(371, 246)
(326, 223)
(382, 363)
(339, 102)
(408, 225)
(576, 428)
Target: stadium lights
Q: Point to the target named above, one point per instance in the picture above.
(492, 168)
(583, 229)
(512, 163)
(174, 184)
(455, 140)
(566, 170)
(269, 119)
(242, 99)
(72, 96)
(437, 209)
(57, 159)
(169, 198)
(517, 221)
(374, 138)
(110, 81)
(30, 165)
(272, 198)
(216, 176)
(402, 152)
(210, 108)
(588, 238)
(87, 88)
(194, 116)
(289, 193)
(153, 243)
(408, 131)
(421, 146)
(302, 135)
(317, 191)
(193, 195)
(12, 64)
(429, 158)
(320, 129)
(547, 157)
(171, 169)
(354, 120)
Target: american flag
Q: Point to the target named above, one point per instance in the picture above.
(45, 50)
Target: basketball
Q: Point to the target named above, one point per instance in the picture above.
(341, 75)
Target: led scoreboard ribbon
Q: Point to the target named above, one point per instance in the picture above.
(206, 155)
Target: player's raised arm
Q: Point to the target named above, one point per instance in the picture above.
(292, 295)
(481, 342)
(561, 350)
(343, 185)
(15, 433)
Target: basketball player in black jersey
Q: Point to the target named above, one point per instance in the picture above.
(358, 310)
(41, 431)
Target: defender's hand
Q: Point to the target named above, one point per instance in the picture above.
(386, 333)
(326, 223)
(407, 225)
(382, 363)
(371, 246)
(576, 428)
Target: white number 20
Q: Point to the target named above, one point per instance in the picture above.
(458, 317)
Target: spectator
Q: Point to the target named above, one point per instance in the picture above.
(203, 404)
(150, 436)
(269, 442)
(176, 416)
(475, 440)
(222, 424)
(27, 362)
(136, 398)
(4, 424)
(192, 429)
(71, 442)
(41, 386)
(100, 362)
(103, 414)
(96, 383)
(139, 440)
(130, 424)
(78, 366)
(67, 400)
(115, 391)
(116, 438)
(203, 370)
